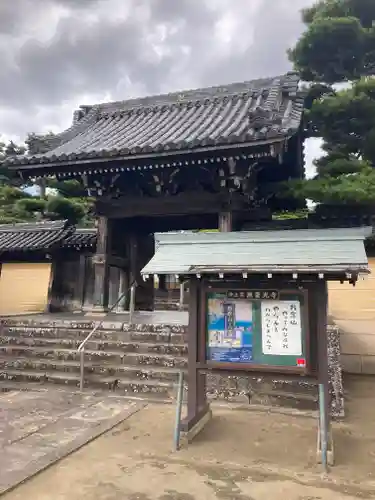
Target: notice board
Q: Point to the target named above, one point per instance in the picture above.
(256, 327)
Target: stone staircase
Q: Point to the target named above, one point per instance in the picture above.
(170, 301)
(131, 359)
(140, 360)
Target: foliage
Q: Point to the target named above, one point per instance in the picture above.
(12, 205)
(338, 46)
(68, 200)
(58, 207)
(69, 189)
(299, 214)
(7, 150)
(339, 43)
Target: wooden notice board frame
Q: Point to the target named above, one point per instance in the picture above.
(264, 362)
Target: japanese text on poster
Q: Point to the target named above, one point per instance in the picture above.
(281, 328)
(230, 324)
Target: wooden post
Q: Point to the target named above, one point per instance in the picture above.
(225, 221)
(123, 288)
(101, 266)
(81, 279)
(198, 411)
(193, 349)
(50, 294)
(163, 282)
(141, 250)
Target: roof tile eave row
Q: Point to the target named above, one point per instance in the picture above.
(29, 238)
(178, 148)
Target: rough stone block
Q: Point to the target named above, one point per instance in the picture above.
(336, 389)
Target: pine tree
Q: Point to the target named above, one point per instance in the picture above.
(338, 47)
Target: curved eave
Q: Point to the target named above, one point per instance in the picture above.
(111, 155)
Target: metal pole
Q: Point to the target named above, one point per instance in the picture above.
(180, 396)
(323, 428)
(182, 295)
(82, 369)
(131, 303)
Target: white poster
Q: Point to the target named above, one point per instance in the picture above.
(281, 327)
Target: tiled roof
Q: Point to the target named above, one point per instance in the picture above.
(81, 238)
(268, 110)
(303, 251)
(33, 236)
(44, 236)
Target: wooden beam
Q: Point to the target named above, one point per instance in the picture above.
(182, 204)
(116, 261)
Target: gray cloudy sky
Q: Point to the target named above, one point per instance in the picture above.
(58, 54)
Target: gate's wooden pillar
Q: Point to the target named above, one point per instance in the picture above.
(101, 264)
(225, 221)
(163, 282)
(142, 248)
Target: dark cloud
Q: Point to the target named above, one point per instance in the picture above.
(15, 14)
(148, 46)
(275, 28)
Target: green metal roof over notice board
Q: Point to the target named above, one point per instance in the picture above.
(305, 251)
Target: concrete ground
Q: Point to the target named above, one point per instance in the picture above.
(240, 455)
(41, 426)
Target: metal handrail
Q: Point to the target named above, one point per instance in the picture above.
(81, 347)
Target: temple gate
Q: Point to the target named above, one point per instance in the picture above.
(201, 159)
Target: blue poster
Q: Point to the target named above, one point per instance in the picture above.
(229, 329)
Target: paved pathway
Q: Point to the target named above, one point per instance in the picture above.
(37, 428)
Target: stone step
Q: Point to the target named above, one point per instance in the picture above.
(49, 323)
(141, 372)
(151, 390)
(160, 388)
(165, 335)
(7, 386)
(166, 305)
(9, 345)
(131, 356)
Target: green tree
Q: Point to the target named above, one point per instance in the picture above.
(63, 200)
(338, 46)
(7, 150)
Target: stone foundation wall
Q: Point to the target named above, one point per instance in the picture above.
(336, 389)
(277, 390)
